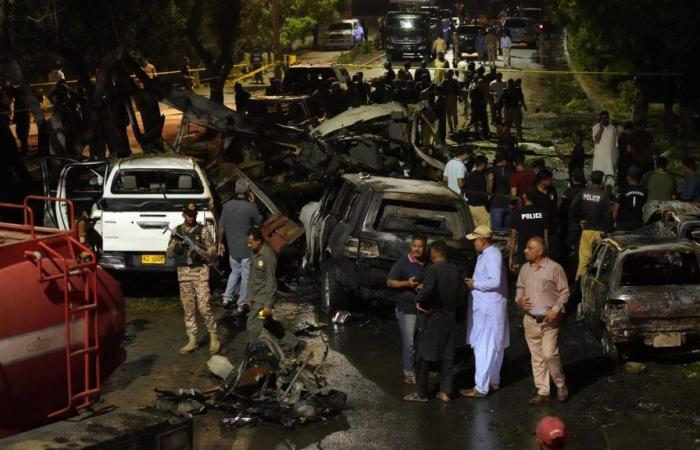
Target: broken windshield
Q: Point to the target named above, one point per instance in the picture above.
(660, 268)
(411, 217)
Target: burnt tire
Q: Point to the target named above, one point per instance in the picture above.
(333, 296)
(613, 353)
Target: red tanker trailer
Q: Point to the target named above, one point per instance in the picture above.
(62, 320)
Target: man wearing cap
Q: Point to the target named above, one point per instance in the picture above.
(193, 276)
(262, 287)
(542, 292)
(487, 326)
(551, 434)
(237, 216)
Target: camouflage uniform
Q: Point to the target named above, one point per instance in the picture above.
(193, 276)
(262, 286)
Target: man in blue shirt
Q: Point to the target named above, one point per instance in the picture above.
(691, 189)
(404, 277)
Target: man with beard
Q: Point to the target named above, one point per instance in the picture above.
(403, 277)
(436, 303)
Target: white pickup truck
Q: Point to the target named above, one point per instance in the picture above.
(131, 202)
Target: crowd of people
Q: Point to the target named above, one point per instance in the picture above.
(550, 247)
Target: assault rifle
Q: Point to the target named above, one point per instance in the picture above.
(195, 247)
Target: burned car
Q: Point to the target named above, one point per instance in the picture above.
(284, 109)
(363, 224)
(675, 218)
(643, 290)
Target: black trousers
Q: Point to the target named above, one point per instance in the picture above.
(446, 376)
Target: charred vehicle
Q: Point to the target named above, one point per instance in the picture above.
(304, 79)
(283, 109)
(681, 219)
(363, 224)
(643, 290)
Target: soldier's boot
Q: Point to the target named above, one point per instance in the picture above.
(191, 345)
(214, 344)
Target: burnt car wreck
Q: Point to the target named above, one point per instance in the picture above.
(643, 291)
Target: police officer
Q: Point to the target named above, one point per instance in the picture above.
(262, 285)
(627, 207)
(592, 209)
(193, 275)
(531, 220)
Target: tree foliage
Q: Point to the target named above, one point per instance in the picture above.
(297, 19)
(633, 35)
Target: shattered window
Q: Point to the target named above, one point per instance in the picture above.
(661, 268)
(146, 181)
(412, 217)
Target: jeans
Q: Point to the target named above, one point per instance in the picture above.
(407, 325)
(500, 218)
(238, 270)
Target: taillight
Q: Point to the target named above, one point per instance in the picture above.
(354, 248)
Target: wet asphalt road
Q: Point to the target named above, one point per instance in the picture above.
(608, 409)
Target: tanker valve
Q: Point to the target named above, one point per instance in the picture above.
(35, 255)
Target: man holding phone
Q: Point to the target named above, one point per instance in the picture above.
(487, 326)
(542, 291)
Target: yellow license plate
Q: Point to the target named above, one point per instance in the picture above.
(152, 259)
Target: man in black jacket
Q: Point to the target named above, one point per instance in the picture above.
(436, 302)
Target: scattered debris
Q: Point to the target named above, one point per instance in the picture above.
(635, 367)
(651, 407)
(342, 317)
(266, 386)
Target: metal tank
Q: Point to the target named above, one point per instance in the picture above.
(62, 320)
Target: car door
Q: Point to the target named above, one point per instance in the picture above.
(334, 215)
(82, 184)
(594, 284)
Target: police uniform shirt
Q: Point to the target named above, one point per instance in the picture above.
(262, 283)
(593, 205)
(529, 221)
(631, 200)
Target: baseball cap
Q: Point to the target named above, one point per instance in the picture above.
(550, 430)
(190, 209)
(482, 231)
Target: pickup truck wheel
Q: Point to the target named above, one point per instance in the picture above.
(333, 297)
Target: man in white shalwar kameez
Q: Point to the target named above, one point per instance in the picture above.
(487, 326)
(605, 146)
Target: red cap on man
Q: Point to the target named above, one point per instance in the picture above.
(551, 432)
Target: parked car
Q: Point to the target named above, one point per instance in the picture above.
(364, 223)
(409, 36)
(282, 109)
(344, 34)
(466, 35)
(539, 18)
(522, 30)
(304, 79)
(642, 290)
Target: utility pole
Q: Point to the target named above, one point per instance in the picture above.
(276, 55)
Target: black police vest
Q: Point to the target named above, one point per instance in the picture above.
(191, 258)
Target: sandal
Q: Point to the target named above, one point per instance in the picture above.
(471, 393)
(444, 397)
(495, 387)
(414, 397)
